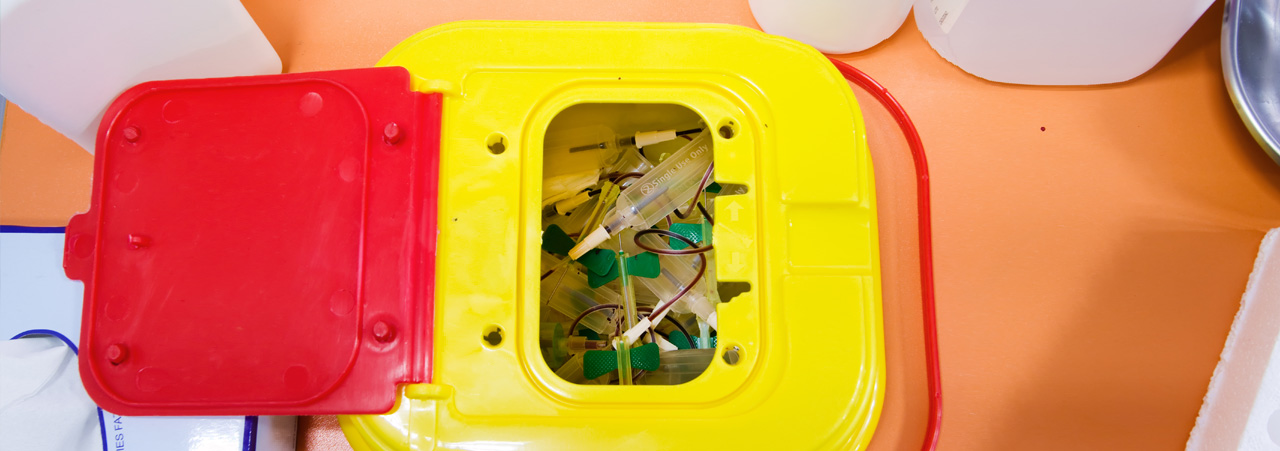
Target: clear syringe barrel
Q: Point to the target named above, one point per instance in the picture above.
(676, 273)
(664, 188)
(569, 293)
(660, 191)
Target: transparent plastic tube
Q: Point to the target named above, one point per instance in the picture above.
(679, 367)
(571, 371)
(624, 361)
(573, 160)
(550, 262)
(712, 290)
(575, 222)
(572, 296)
(676, 271)
(630, 160)
(704, 334)
(663, 189)
(579, 149)
(576, 158)
(552, 340)
(628, 292)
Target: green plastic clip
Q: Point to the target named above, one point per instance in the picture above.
(555, 241)
(596, 363)
(599, 261)
(679, 339)
(645, 265)
(694, 232)
(598, 280)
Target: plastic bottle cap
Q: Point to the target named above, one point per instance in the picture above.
(647, 138)
(596, 237)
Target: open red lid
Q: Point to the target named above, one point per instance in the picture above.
(260, 245)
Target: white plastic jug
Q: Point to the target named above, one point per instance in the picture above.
(64, 61)
(1056, 42)
(832, 26)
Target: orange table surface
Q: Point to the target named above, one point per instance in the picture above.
(1091, 243)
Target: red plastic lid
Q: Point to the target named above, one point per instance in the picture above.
(260, 245)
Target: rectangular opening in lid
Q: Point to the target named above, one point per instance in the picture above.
(628, 266)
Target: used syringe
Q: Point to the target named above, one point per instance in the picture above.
(575, 158)
(674, 277)
(663, 189)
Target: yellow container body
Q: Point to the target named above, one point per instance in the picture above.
(810, 373)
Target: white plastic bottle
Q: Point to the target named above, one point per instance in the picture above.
(832, 26)
(1056, 42)
(64, 61)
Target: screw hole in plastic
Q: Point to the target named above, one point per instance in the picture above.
(728, 129)
(732, 355)
(492, 336)
(496, 143)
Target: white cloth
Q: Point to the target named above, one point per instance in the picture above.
(43, 405)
